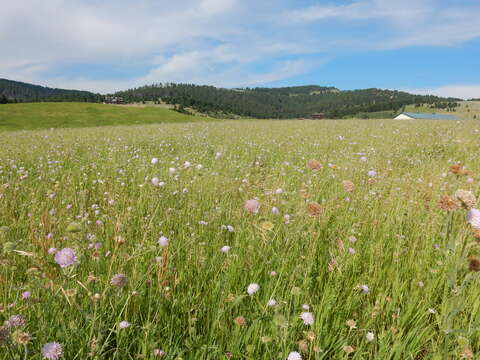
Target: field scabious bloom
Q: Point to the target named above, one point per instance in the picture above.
(294, 355)
(225, 249)
(124, 324)
(52, 351)
(119, 280)
(65, 257)
(307, 317)
(163, 241)
(252, 206)
(473, 218)
(252, 288)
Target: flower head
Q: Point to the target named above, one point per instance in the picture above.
(473, 218)
(65, 257)
(466, 197)
(163, 241)
(448, 203)
(294, 356)
(252, 206)
(253, 288)
(16, 321)
(52, 351)
(370, 336)
(124, 324)
(119, 280)
(225, 249)
(307, 317)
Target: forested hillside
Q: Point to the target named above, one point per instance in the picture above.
(15, 91)
(288, 102)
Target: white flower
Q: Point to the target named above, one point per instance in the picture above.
(186, 164)
(253, 288)
(275, 211)
(163, 241)
(365, 289)
(432, 311)
(218, 155)
(305, 307)
(124, 324)
(372, 173)
(271, 302)
(225, 249)
(279, 191)
(370, 336)
(473, 218)
(199, 166)
(307, 317)
(155, 181)
(273, 273)
(154, 161)
(172, 170)
(294, 356)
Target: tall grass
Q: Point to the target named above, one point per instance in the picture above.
(189, 299)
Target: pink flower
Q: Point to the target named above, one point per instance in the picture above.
(252, 206)
(65, 257)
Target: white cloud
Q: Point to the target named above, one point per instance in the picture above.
(457, 91)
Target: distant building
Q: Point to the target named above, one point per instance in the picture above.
(113, 100)
(318, 116)
(419, 116)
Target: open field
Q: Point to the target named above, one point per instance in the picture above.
(72, 115)
(374, 267)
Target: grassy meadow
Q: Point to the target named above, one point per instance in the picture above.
(29, 116)
(138, 242)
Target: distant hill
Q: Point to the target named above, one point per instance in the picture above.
(46, 115)
(287, 102)
(16, 91)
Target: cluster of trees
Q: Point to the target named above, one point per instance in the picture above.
(288, 102)
(15, 91)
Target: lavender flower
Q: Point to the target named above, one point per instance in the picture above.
(307, 317)
(65, 257)
(294, 356)
(253, 288)
(124, 324)
(52, 351)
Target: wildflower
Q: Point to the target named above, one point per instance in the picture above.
(225, 249)
(352, 324)
(124, 324)
(473, 263)
(119, 280)
(372, 173)
(432, 311)
(154, 161)
(348, 349)
(351, 251)
(252, 206)
(311, 335)
(294, 356)
(458, 169)
(286, 219)
(186, 164)
(163, 241)
(370, 336)
(172, 170)
(275, 211)
(273, 273)
(348, 186)
(252, 288)
(159, 353)
(306, 307)
(314, 209)
(279, 191)
(365, 289)
(448, 203)
(21, 337)
(218, 155)
(52, 251)
(271, 302)
(16, 321)
(26, 295)
(65, 257)
(473, 218)
(52, 351)
(240, 321)
(352, 239)
(156, 182)
(314, 164)
(307, 317)
(466, 198)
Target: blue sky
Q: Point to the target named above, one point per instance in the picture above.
(423, 46)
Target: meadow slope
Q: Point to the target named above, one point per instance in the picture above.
(352, 259)
(27, 116)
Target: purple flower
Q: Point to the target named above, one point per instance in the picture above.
(52, 351)
(16, 321)
(65, 257)
(52, 251)
(26, 295)
(159, 353)
(124, 324)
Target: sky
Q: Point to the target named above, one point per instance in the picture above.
(421, 46)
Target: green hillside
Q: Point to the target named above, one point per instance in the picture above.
(16, 91)
(72, 115)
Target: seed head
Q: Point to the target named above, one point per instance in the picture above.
(448, 203)
(119, 280)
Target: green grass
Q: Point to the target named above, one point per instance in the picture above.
(73, 115)
(184, 298)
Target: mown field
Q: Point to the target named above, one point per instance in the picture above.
(73, 115)
(365, 253)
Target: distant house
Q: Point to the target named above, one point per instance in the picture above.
(113, 100)
(318, 116)
(419, 116)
